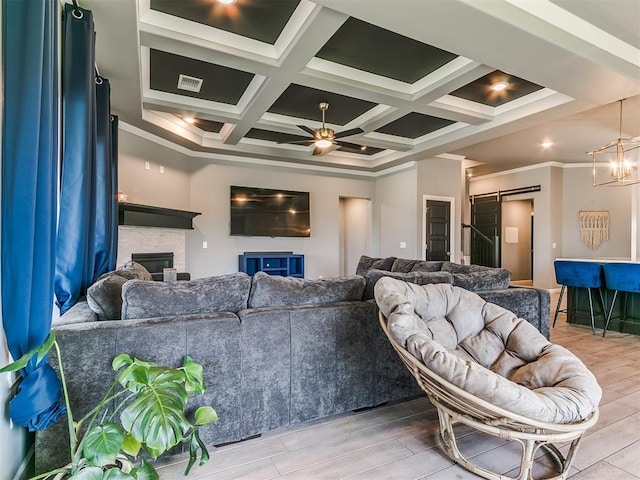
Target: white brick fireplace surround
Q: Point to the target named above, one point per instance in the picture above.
(133, 239)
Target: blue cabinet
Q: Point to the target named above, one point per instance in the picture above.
(284, 264)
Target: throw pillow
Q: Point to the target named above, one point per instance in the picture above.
(275, 291)
(104, 297)
(133, 270)
(225, 293)
(419, 278)
(369, 263)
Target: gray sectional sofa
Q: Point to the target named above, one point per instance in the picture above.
(276, 351)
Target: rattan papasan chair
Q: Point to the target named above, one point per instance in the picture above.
(483, 367)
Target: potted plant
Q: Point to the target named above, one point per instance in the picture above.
(142, 411)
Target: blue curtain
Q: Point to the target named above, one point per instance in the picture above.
(113, 250)
(105, 200)
(87, 195)
(29, 193)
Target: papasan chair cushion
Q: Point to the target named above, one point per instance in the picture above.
(487, 351)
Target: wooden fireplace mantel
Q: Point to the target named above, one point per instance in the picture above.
(148, 216)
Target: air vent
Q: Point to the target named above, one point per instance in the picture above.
(192, 84)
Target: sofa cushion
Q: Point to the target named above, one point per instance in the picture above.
(369, 263)
(419, 278)
(402, 265)
(459, 268)
(491, 279)
(427, 266)
(104, 297)
(275, 291)
(225, 293)
(79, 313)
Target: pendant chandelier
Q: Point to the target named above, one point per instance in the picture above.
(616, 164)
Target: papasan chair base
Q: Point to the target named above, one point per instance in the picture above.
(455, 405)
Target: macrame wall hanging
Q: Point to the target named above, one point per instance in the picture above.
(594, 227)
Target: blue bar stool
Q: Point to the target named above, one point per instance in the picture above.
(578, 274)
(621, 277)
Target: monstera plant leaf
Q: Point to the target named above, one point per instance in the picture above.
(102, 444)
(155, 417)
(39, 353)
(89, 473)
(145, 472)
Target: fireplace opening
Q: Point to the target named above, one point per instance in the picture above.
(154, 262)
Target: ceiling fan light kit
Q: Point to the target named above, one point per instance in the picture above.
(324, 137)
(619, 159)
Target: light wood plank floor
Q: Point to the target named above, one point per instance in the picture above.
(400, 441)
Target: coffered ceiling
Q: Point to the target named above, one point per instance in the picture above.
(404, 79)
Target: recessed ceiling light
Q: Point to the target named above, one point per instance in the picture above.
(227, 2)
(499, 86)
(189, 119)
(546, 144)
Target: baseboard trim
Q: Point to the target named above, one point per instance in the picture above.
(22, 469)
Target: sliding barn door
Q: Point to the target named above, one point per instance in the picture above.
(486, 218)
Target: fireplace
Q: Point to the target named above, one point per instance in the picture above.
(154, 262)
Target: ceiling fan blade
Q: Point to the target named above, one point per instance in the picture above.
(298, 142)
(347, 133)
(319, 151)
(307, 129)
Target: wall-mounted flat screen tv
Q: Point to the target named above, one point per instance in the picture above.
(264, 212)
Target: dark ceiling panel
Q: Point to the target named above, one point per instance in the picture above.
(373, 49)
(302, 102)
(359, 149)
(221, 84)
(277, 137)
(263, 20)
(480, 90)
(414, 125)
(208, 125)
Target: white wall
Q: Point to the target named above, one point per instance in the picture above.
(210, 195)
(150, 187)
(395, 209)
(355, 232)
(13, 439)
(195, 184)
(578, 194)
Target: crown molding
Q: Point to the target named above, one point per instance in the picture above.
(246, 161)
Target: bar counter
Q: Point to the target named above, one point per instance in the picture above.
(578, 304)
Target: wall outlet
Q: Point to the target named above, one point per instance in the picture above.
(147, 166)
(554, 245)
(403, 244)
(161, 169)
(205, 244)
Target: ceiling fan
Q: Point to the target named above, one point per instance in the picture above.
(326, 137)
